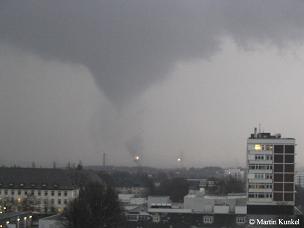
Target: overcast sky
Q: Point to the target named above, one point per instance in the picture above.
(159, 78)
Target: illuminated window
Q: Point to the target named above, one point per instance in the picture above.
(257, 147)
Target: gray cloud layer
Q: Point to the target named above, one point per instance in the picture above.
(128, 45)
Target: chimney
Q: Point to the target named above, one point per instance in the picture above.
(255, 132)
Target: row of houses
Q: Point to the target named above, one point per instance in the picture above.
(197, 209)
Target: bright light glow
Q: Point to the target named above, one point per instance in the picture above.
(136, 158)
(25, 218)
(30, 216)
(257, 147)
(7, 222)
(18, 219)
(179, 160)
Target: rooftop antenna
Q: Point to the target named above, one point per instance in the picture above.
(104, 159)
(259, 128)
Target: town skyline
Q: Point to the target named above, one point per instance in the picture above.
(149, 78)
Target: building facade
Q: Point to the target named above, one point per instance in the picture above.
(270, 176)
(36, 189)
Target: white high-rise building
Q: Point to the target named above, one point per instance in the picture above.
(270, 176)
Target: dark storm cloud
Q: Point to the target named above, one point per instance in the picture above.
(130, 44)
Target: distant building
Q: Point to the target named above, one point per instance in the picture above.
(139, 191)
(197, 183)
(235, 173)
(16, 219)
(131, 201)
(54, 221)
(199, 210)
(270, 178)
(159, 202)
(299, 179)
(199, 202)
(46, 190)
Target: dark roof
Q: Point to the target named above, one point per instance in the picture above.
(35, 178)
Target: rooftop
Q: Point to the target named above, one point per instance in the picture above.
(35, 178)
(265, 135)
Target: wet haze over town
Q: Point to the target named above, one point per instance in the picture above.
(161, 78)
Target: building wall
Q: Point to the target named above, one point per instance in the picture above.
(43, 198)
(270, 179)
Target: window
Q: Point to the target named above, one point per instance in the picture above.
(278, 167)
(288, 197)
(278, 177)
(268, 176)
(268, 157)
(208, 219)
(260, 186)
(240, 220)
(19, 192)
(257, 147)
(268, 147)
(288, 187)
(45, 193)
(289, 168)
(39, 193)
(289, 178)
(52, 193)
(59, 201)
(52, 201)
(278, 149)
(5, 192)
(65, 193)
(250, 195)
(289, 158)
(12, 192)
(259, 195)
(289, 149)
(278, 158)
(278, 196)
(259, 176)
(278, 187)
(65, 202)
